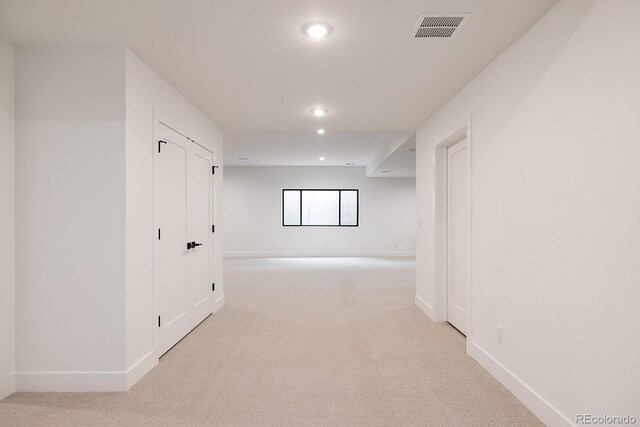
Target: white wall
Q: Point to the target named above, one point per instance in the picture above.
(147, 92)
(253, 213)
(70, 212)
(84, 192)
(7, 219)
(556, 208)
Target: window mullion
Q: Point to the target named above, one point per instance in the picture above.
(339, 208)
(301, 192)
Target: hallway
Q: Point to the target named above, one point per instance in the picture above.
(301, 341)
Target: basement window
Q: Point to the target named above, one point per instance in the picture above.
(320, 207)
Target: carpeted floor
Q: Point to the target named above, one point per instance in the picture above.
(301, 342)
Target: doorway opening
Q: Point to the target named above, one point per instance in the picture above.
(453, 230)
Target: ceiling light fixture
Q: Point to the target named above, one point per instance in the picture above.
(349, 164)
(319, 112)
(316, 30)
(320, 131)
(385, 171)
(321, 158)
(243, 158)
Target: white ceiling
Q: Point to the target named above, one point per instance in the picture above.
(247, 65)
(306, 148)
(398, 161)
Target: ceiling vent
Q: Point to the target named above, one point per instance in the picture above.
(438, 26)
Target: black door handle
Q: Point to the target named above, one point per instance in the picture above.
(189, 245)
(194, 244)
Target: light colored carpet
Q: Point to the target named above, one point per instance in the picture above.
(301, 342)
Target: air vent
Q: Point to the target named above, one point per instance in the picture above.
(434, 26)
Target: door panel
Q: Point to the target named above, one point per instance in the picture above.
(199, 226)
(457, 234)
(171, 254)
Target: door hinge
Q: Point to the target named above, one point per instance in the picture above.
(161, 142)
(158, 321)
(213, 287)
(213, 228)
(213, 169)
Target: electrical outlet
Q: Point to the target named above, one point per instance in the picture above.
(500, 334)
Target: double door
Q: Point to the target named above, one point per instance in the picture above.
(183, 256)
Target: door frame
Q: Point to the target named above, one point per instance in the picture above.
(441, 225)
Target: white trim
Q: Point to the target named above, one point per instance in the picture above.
(426, 308)
(316, 254)
(548, 414)
(154, 292)
(71, 381)
(85, 381)
(218, 304)
(141, 368)
(470, 225)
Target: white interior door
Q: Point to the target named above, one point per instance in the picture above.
(170, 256)
(183, 255)
(199, 221)
(457, 235)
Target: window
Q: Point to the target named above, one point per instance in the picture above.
(320, 208)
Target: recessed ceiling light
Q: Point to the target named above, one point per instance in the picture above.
(316, 30)
(321, 158)
(320, 131)
(319, 112)
(243, 158)
(385, 171)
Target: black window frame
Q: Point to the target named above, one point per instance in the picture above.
(339, 190)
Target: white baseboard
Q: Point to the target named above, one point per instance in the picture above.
(426, 308)
(71, 381)
(88, 381)
(141, 368)
(85, 381)
(317, 254)
(218, 304)
(548, 414)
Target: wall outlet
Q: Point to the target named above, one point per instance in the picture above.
(500, 334)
